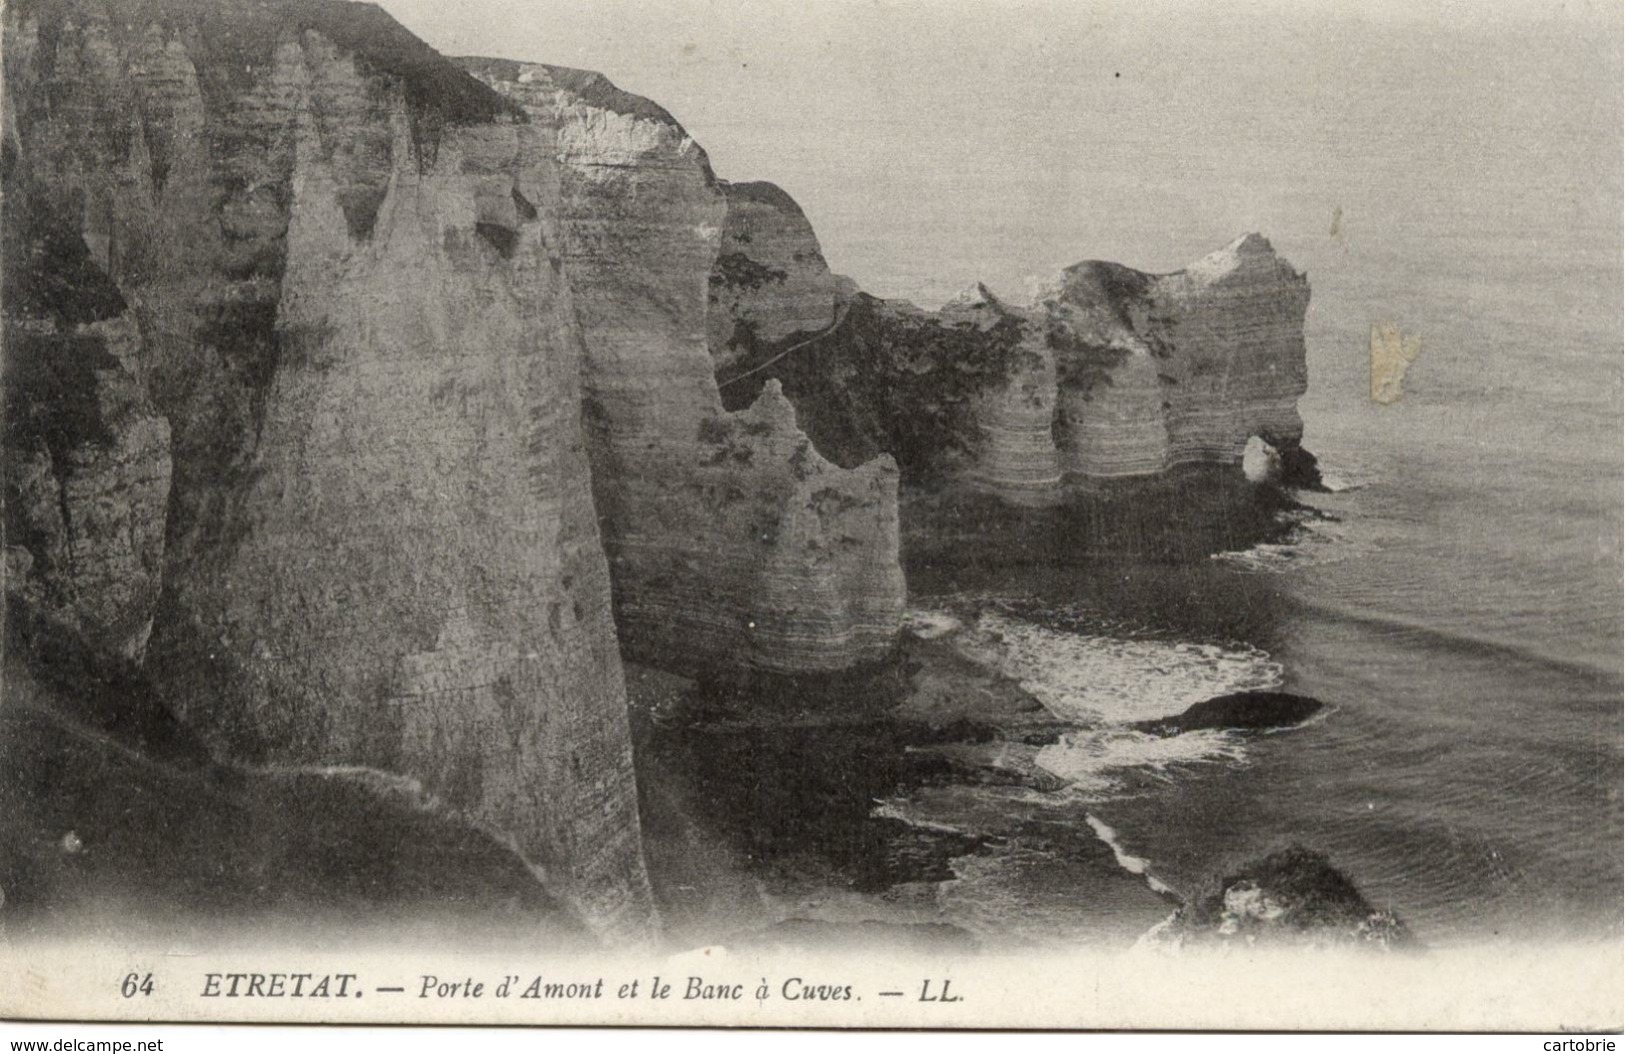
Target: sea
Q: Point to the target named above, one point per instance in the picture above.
(1451, 170)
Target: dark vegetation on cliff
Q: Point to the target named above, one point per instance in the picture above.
(50, 403)
(50, 393)
(741, 272)
(886, 381)
(49, 279)
(1115, 284)
(1081, 365)
(107, 694)
(763, 192)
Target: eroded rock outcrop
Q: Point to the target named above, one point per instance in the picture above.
(1159, 370)
(731, 542)
(1249, 711)
(342, 254)
(1111, 373)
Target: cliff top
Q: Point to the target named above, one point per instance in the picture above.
(1248, 251)
(762, 192)
(594, 88)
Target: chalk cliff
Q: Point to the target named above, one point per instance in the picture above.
(342, 256)
(1159, 370)
(732, 544)
(770, 280)
(1111, 373)
(367, 407)
(370, 408)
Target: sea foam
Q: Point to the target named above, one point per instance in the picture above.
(1100, 679)
(1134, 865)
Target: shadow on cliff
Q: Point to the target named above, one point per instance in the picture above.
(1183, 516)
(114, 816)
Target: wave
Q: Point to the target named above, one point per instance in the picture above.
(905, 811)
(1340, 484)
(1104, 675)
(1314, 539)
(1264, 558)
(1458, 641)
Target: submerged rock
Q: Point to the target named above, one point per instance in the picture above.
(1245, 711)
(1293, 896)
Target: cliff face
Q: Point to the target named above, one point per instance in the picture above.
(365, 410)
(87, 464)
(770, 280)
(1112, 373)
(342, 256)
(731, 543)
(1159, 370)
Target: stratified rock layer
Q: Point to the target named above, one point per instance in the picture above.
(1014, 449)
(731, 543)
(342, 254)
(1159, 370)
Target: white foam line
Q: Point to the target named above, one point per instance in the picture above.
(1134, 865)
(1313, 719)
(890, 810)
